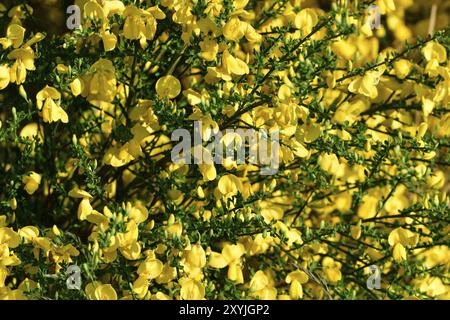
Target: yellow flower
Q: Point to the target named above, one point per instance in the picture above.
(79, 194)
(262, 286)
(138, 212)
(355, 232)
(109, 40)
(168, 87)
(403, 236)
(140, 287)
(168, 274)
(209, 49)
(230, 185)
(32, 182)
(399, 252)
(99, 86)
(9, 237)
(433, 286)
(77, 87)
(14, 36)
(434, 51)
(24, 60)
(230, 256)
(234, 29)
(305, 20)
(191, 289)
(99, 291)
(84, 209)
(368, 207)
(331, 269)
(31, 130)
(386, 6)
(141, 24)
(194, 258)
(48, 100)
(234, 66)
(29, 233)
(402, 68)
(296, 279)
(366, 85)
(4, 77)
(151, 268)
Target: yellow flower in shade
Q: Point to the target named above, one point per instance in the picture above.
(148, 270)
(9, 237)
(32, 182)
(331, 269)
(368, 207)
(140, 287)
(48, 100)
(262, 286)
(168, 87)
(355, 232)
(77, 87)
(209, 49)
(24, 60)
(15, 33)
(118, 156)
(99, 86)
(4, 77)
(99, 291)
(433, 287)
(84, 209)
(93, 11)
(194, 259)
(14, 36)
(191, 289)
(109, 40)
